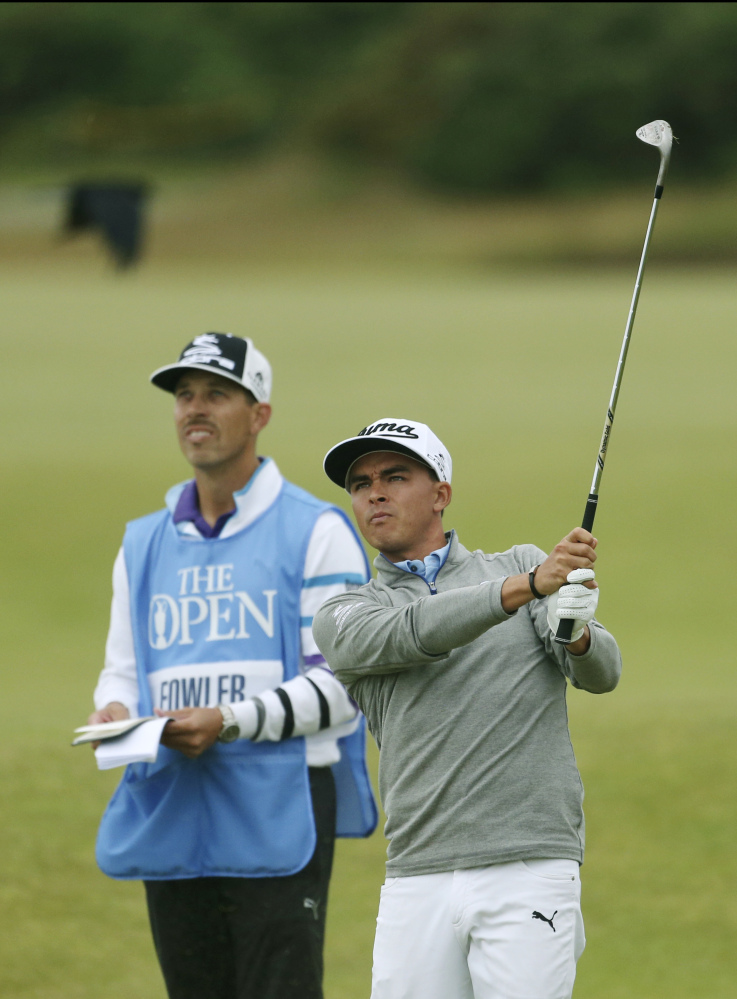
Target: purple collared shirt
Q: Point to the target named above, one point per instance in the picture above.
(188, 508)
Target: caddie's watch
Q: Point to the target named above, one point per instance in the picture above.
(231, 730)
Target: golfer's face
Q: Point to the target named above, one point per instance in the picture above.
(394, 500)
(213, 418)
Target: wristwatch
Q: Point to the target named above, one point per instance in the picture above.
(531, 577)
(231, 730)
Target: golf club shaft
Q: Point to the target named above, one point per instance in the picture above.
(565, 628)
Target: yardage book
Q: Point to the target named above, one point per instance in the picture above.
(108, 730)
(133, 740)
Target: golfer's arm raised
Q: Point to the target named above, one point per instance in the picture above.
(360, 636)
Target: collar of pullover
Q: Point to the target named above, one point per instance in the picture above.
(429, 567)
(394, 572)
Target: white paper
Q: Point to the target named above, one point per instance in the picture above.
(141, 745)
(107, 730)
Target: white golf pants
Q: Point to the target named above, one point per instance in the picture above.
(508, 931)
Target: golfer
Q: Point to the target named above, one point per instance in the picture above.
(450, 655)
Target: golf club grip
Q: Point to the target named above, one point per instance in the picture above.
(565, 628)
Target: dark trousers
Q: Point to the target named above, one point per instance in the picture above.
(248, 938)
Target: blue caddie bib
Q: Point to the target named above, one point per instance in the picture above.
(216, 621)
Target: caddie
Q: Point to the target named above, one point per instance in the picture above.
(450, 655)
(232, 828)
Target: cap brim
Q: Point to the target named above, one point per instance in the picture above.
(167, 378)
(339, 459)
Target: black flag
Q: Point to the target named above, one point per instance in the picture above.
(116, 210)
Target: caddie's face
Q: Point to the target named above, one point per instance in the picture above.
(215, 420)
(396, 502)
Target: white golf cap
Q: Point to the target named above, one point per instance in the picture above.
(223, 354)
(389, 434)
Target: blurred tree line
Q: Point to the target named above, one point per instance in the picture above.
(473, 97)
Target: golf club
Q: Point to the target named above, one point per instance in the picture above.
(659, 134)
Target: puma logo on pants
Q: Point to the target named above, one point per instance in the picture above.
(539, 915)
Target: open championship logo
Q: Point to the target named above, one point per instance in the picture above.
(163, 621)
(208, 606)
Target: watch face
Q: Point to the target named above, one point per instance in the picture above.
(230, 734)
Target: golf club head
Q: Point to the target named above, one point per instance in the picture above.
(658, 133)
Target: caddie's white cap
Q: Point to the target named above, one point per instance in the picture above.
(232, 357)
(389, 434)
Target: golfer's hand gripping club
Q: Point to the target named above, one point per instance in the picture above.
(574, 603)
(564, 631)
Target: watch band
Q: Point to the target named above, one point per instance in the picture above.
(531, 577)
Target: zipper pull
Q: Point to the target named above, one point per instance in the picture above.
(433, 588)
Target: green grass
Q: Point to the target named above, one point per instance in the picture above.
(513, 370)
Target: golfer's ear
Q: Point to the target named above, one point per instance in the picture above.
(443, 496)
(263, 415)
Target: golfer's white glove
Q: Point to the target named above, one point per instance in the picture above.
(573, 601)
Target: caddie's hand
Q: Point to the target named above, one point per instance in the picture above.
(577, 550)
(114, 711)
(574, 601)
(193, 730)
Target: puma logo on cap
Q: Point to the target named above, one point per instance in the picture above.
(389, 430)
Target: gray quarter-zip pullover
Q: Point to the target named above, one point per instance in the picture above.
(468, 706)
